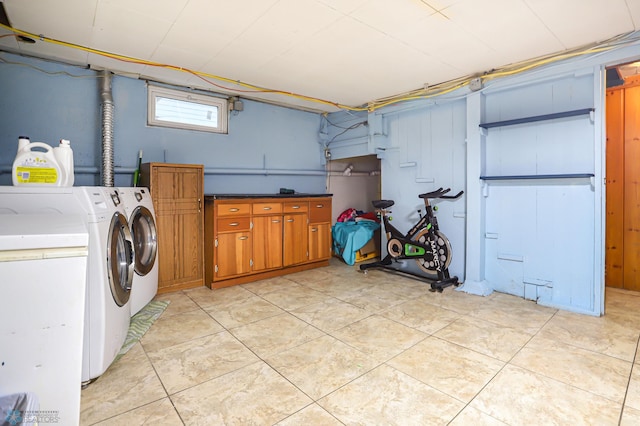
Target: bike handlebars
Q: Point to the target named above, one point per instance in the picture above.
(439, 193)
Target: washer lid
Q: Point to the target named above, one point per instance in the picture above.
(37, 231)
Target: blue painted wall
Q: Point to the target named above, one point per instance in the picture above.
(538, 239)
(267, 147)
(540, 234)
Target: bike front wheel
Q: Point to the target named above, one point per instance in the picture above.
(428, 262)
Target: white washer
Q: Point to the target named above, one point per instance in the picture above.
(43, 265)
(139, 209)
(109, 279)
(109, 267)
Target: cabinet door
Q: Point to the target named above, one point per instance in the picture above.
(189, 247)
(166, 234)
(319, 241)
(267, 242)
(295, 239)
(178, 186)
(233, 254)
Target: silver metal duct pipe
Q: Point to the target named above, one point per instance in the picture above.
(106, 174)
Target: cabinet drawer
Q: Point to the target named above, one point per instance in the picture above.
(233, 224)
(320, 211)
(267, 208)
(233, 209)
(296, 207)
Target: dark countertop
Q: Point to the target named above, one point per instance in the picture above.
(235, 196)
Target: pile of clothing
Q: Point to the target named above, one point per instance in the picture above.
(352, 231)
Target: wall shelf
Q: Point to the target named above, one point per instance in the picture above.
(537, 177)
(574, 113)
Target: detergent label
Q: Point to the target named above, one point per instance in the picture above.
(26, 174)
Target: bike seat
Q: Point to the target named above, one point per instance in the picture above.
(382, 204)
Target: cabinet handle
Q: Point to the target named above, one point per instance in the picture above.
(243, 238)
(275, 221)
(234, 209)
(266, 208)
(199, 204)
(314, 229)
(289, 220)
(295, 207)
(234, 224)
(319, 206)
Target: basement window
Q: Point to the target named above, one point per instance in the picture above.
(185, 110)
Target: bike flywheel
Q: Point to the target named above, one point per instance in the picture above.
(443, 247)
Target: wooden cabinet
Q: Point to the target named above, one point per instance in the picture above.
(319, 229)
(252, 238)
(295, 239)
(319, 241)
(177, 191)
(295, 232)
(233, 254)
(231, 244)
(267, 235)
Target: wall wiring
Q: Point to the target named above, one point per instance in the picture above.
(425, 93)
(65, 73)
(448, 87)
(326, 117)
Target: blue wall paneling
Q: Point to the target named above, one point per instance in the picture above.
(509, 225)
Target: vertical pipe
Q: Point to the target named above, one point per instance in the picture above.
(106, 173)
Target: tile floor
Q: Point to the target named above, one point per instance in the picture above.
(333, 346)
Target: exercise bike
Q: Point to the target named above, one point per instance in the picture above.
(424, 242)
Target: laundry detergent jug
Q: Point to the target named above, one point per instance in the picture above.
(64, 156)
(37, 168)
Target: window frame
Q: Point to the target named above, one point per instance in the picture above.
(221, 104)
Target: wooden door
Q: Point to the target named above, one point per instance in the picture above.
(267, 242)
(189, 249)
(295, 239)
(166, 234)
(319, 241)
(233, 254)
(622, 264)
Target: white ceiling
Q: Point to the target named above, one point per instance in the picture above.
(348, 52)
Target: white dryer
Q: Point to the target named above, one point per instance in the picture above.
(109, 263)
(140, 214)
